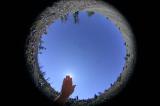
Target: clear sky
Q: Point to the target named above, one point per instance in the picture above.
(91, 51)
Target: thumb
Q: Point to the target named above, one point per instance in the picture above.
(74, 86)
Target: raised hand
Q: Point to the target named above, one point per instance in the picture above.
(66, 91)
(67, 87)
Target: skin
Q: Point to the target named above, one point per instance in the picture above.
(66, 91)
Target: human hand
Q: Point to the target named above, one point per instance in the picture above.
(67, 87)
(66, 91)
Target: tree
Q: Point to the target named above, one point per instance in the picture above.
(40, 46)
(119, 78)
(90, 13)
(76, 97)
(42, 73)
(126, 58)
(47, 79)
(95, 96)
(100, 93)
(128, 55)
(76, 17)
(111, 84)
(64, 18)
(106, 90)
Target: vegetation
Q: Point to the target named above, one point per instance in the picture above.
(75, 16)
(90, 13)
(40, 47)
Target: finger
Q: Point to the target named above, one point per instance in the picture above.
(71, 81)
(64, 82)
(64, 79)
(74, 86)
(67, 77)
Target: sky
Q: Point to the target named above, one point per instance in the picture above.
(92, 52)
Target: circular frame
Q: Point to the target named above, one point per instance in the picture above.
(48, 16)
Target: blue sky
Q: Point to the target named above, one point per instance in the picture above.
(91, 51)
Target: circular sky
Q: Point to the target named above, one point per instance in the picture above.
(88, 47)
